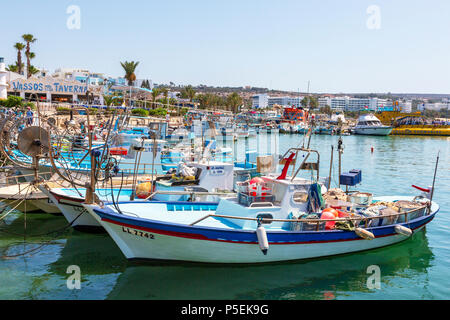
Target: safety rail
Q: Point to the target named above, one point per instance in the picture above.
(190, 193)
(317, 221)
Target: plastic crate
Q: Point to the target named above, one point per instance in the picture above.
(358, 175)
(348, 179)
(247, 200)
(312, 226)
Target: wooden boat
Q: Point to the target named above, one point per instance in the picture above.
(234, 233)
(27, 198)
(268, 221)
(209, 176)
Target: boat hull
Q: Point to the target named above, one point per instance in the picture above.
(381, 131)
(74, 212)
(47, 206)
(25, 206)
(148, 239)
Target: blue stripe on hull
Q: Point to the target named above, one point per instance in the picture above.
(249, 236)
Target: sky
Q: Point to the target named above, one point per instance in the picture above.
(350, 46)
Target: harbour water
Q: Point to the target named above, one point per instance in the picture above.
(417, 268)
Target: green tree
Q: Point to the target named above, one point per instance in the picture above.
(313, 103)
(188, 92)
(13, 68)
(33, 70)
(310, 102)
(155, 94)
(29, 39)
(130, 69)
(19, 47)
(234, 101)
(327, 110)
(108, 100)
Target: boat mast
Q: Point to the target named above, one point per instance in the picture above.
(434, 178)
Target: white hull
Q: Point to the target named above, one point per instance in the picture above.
(75, 214)
(47, 206)
(26, 206)
(167, 247)
(373, 131)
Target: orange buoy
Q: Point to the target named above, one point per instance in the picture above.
(118, 151)
(343, 214)
(328, 216)
(257, 180)
(333, 211)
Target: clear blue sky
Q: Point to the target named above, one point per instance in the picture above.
(275, 44)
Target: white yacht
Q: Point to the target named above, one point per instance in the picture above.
(370, 125)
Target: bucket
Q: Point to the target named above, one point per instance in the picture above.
(361, 198)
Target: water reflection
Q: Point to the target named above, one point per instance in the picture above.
(314, 279)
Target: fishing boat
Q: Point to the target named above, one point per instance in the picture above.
(370, 125)
(195, 178)
(276, 218)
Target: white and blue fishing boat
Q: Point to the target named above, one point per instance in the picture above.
(207, 178)
(277, 218)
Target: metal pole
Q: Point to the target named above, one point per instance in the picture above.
(331, 167)
(434, 178)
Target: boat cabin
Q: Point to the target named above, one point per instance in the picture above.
(270, 198)
(369, 120)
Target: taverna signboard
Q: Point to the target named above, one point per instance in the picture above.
(49, 85)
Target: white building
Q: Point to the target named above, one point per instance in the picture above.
(81, 75)
(358, 104)
(285, 101)
(339, 103)
(434, 106)
(3, 85)
(260, 101)
(324, 101)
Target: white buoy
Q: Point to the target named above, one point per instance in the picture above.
(403, 230)
(363, 233)
(262, 239)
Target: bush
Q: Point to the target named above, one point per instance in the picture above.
(183, 111)
(140, 112)
(93, 111)
(160, 112)
(30, 105)
(63, 110)
(12, 102)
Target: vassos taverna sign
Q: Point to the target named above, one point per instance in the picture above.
(55, 87)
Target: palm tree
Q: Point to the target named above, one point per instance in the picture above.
(33, 70)
(188, 92)
(12, 68)
(234, 101)
(165, 93)
(19, 47)
(28, 38)
(130, 68)
(155, 94)
(108, 100)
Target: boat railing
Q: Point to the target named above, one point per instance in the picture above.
(190, 193)
(261, 204)
(365, 220)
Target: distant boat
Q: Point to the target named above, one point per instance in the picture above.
(370, 125)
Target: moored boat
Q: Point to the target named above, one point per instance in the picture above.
(371, 125)
(272, 218)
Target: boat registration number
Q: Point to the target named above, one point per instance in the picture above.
(138, 233)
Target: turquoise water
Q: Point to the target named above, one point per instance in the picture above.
(417, 268)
